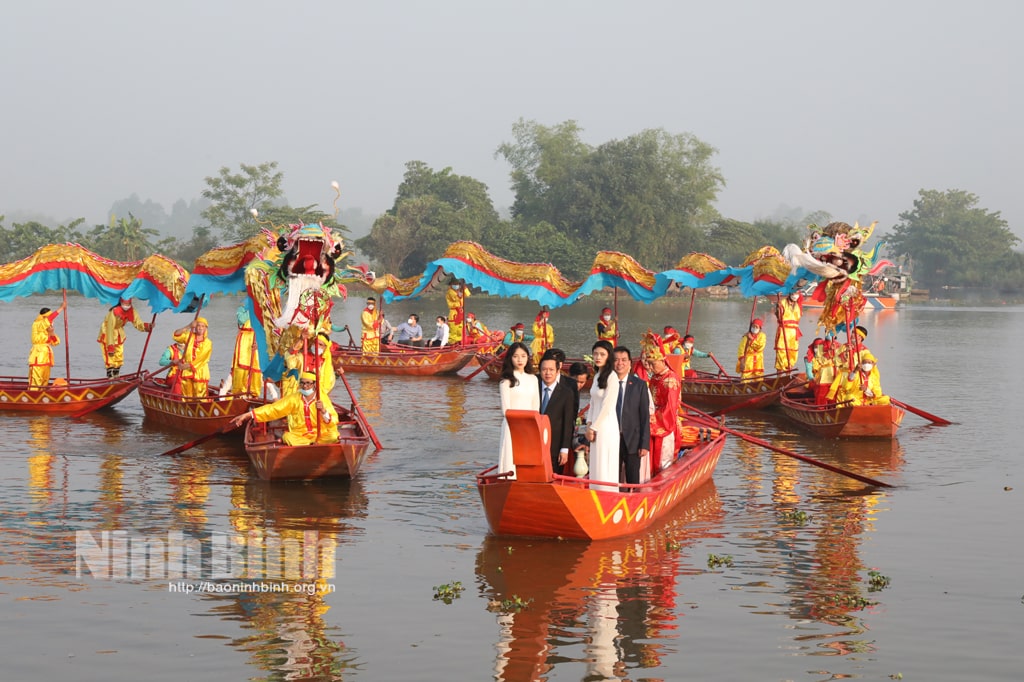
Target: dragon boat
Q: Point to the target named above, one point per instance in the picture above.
(204, 416)
(540, 503)
(275, 460)
(719, 391)
(405, 360)
(65, 397)
(839, 420)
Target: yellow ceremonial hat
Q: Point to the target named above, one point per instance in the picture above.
(202, 320)
(307, 376)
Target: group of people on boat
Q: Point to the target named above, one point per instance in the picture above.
(847, 373)
(457, 328)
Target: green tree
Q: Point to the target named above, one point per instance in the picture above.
(233, 196)
(432, 209)
(950, 240)
(732, 241)
(538, 243)
(123, 239)
(23, 239)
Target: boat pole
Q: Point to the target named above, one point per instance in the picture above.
(67, 339)
(689, 315)
(142, 357)
(615, 313)
(920, 413)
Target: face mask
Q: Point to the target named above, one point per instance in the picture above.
(370, 306)
(411, 322)
(126, 306)
(606, 317)
(866, 366)
(306, 391)
(793, 297)
(688, 346)
(754, 329)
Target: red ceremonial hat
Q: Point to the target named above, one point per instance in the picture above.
(759, 322)
(606, 310)
(519, 326)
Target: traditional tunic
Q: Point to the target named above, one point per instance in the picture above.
(40, 357)
(750, 356)
(601, 418)
(171, 356)
(787, 336)
(672, 343)
(303, 419)
(523, 396)
(246, 377)
(111, 337)
(195, 375)
(665, 389)
(477, 332)
(322, 365)
(543, 338)
(607, 331)
(455, 298)
(856, 389)
(688, 354)
(370, 322)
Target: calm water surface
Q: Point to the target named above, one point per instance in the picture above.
(794, 605)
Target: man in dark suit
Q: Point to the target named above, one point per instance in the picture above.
(634, 410)
(556, 401)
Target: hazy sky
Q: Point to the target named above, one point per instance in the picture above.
(845, 107)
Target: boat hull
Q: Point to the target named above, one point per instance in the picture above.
(566, 507)
(405, 362)
(274, 460)
(76, 397)
(834, 421)
(718, 392)
(195, 415)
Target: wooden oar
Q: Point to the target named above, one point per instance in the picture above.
(359, 411)
(920, 413)
(202, 439)
(720, 368)
(789, 453)
(757, 398)
(482, 367)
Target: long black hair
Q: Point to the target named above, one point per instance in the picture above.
(602, 375)
(507, 371)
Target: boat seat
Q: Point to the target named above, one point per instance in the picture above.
(531, 452)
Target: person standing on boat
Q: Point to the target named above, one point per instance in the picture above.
(40, 357)
(370, 322)
(688, 353)
(633, 406)
(670, 341)
(455, 297)
(665, 390)
(750, 355)
(310, 419)
(787, 336)
(246, 377)
(557, 398)
(518, 390)
(606, 328)
(440, 338)
(172, 358)
(602, 420)
(543, 334)
(111, 337)
(195, 370)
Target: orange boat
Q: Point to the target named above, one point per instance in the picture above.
(840, 421)
(65, 397)
(273, 460)
(403, 360)
(195, 415)
(539, 503)
(705, 388)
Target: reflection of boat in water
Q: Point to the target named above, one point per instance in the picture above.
(612, 599)
(66, 396)
(273, 459)
(835, 420)
(206, 415)
(539, 503)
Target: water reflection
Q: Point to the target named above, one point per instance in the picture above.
(609, 606)
(303, 524)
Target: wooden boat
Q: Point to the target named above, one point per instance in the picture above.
(539, 503)
(716, 390)
(840, 421)
(65, 397)
(874, 300)
(274, 460)
(196, 415)
(403, 360)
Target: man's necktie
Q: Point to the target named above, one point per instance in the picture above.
(618, 403)
(544, 401)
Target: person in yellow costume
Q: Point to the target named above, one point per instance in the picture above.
(750, 354)
(195, 370)
(40, 358)
(607, 329)
(369, 320)
(111, 337)
(310, 419)
(543, 335)
(787, 336)
(246, 377)
(862, 386)
(455, 297)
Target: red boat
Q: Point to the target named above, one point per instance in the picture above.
(273, 460)
(65, 397)
(195, 415)
(539, 503)
(840, 421)
(403, 360)
(705, 388)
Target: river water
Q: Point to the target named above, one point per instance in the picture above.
(361, 561)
